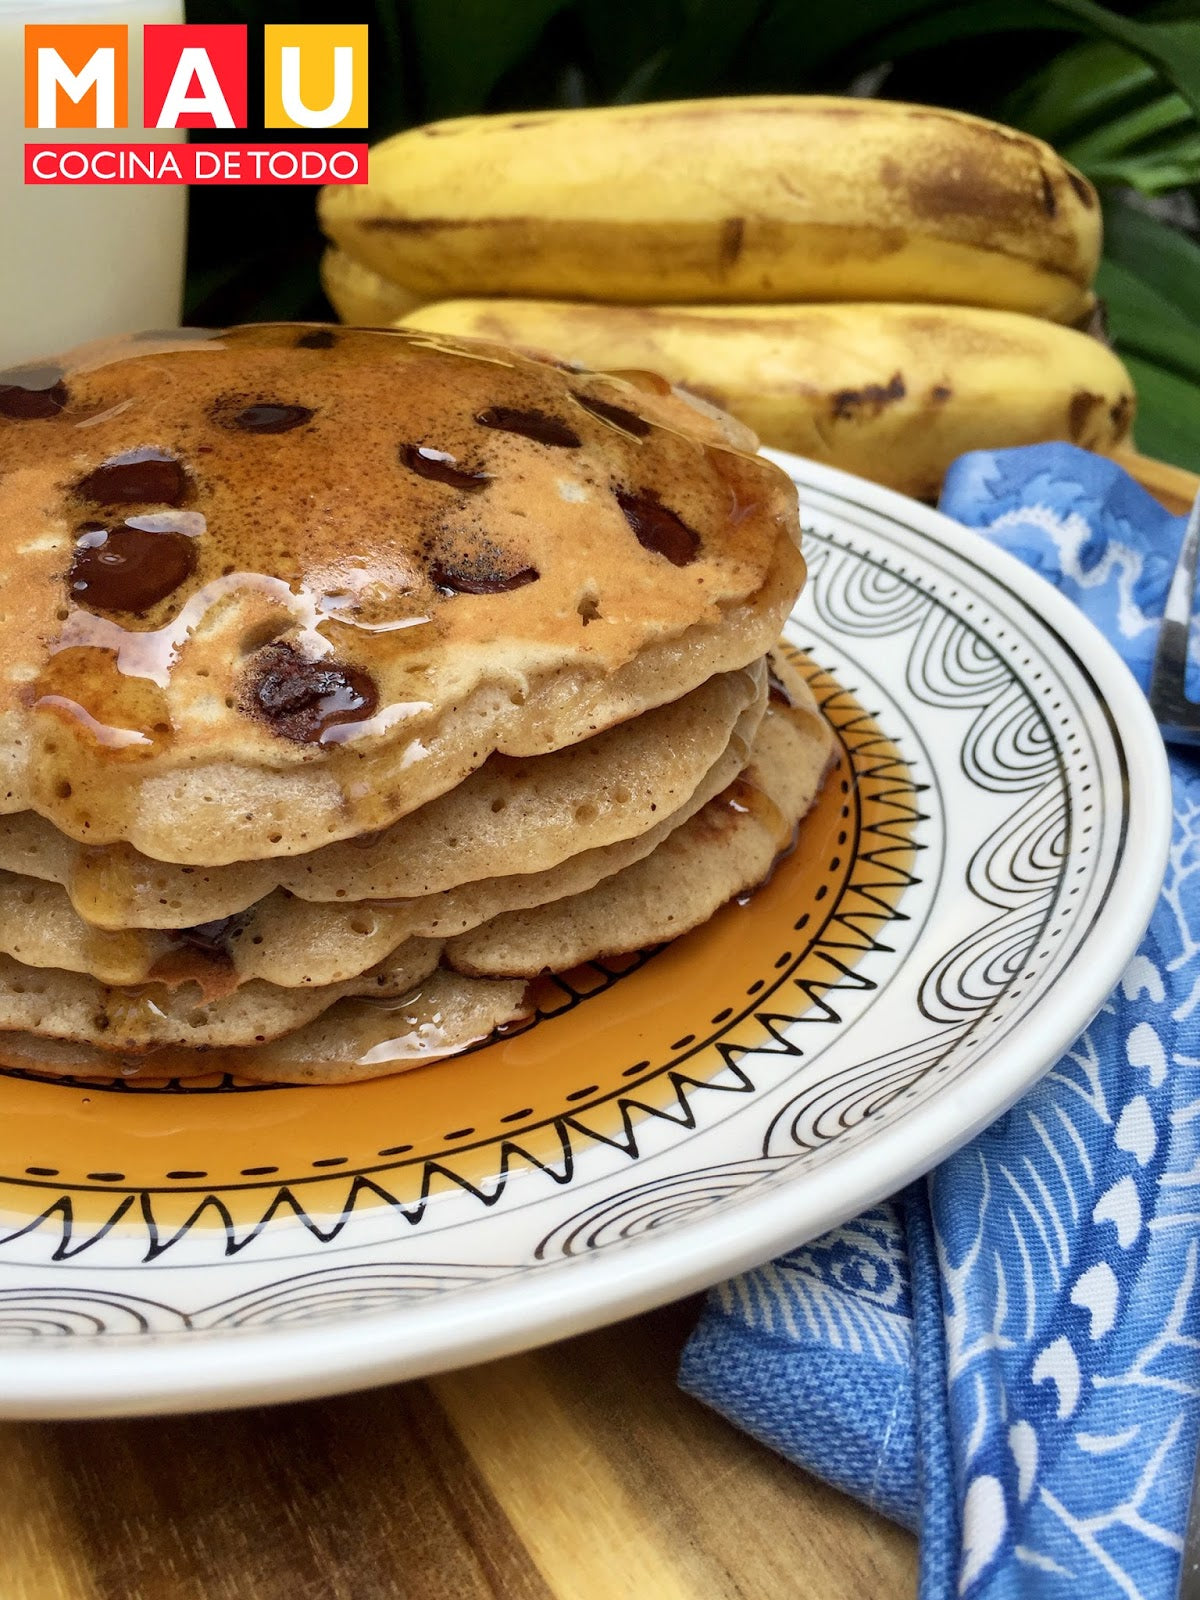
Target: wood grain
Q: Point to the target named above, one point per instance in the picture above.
(578, 1472)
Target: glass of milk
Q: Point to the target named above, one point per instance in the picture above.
(82, 261)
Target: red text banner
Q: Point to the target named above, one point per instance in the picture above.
(75, 164)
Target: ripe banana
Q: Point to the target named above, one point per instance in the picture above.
(769, 198)
(361, 296)
(892, 392)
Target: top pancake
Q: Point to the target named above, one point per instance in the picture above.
(283, 585)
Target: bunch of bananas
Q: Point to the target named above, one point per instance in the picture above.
(875, 285)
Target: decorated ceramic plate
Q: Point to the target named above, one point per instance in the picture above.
(958, 904)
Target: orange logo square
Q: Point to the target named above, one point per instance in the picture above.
(76, 75)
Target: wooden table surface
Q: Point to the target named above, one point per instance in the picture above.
(578, 1472)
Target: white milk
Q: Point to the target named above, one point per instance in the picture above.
(82, 261)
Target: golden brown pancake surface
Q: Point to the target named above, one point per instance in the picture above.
(281, 585)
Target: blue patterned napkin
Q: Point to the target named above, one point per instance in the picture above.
(1007, 1356)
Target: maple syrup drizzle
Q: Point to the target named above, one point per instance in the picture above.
(627, 421)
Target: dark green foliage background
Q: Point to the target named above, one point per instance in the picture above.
(1116, 89)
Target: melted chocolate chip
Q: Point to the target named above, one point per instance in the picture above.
(535, 425)
(268, 417)
(32, 394)
(128, 568)
(777, 692)
(142, 477)
(300, 699)
(317, 339)
(658, 528)
(442, 468)
(629, 421)
(478, 577)
(212, 939)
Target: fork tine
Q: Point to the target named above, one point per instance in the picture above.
(1179, 716)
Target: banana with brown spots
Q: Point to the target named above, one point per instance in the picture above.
(770, 198)
(892, 392)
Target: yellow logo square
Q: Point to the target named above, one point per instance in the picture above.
(315, 75)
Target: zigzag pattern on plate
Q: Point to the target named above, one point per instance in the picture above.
(732, 1061)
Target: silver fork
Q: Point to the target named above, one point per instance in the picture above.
(1178, 717)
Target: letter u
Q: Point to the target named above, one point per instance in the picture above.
(343, 88)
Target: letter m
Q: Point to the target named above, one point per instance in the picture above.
(76, 76)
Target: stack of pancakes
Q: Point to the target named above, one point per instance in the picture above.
(350, 680)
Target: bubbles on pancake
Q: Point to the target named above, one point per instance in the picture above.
(658, 528)
(627, 421)
(539, 426)
(317, 339)
(302, 700)
(441, 467)
(32, 394)
(130, 567)
(146, 476)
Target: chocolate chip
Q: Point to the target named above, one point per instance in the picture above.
(535, 425)
(268, 417)
(32, 394)
(479, 577)
(658, 528)
(140, 477)
(317, 339)
(127, 568)
(441, 468)
(301, 700)
(212, 939)
(617, 415)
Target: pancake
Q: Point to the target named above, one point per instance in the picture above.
(294, 943)
(290, 942)
(285, 937)
(212, 652)
(354, 1040)
(728, 847)
(508, 817)
(66, 1005)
